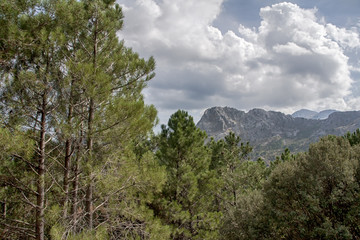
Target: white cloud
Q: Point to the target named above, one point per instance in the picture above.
(291, 49)
(173, 27)
(293, 60)
(346, 38)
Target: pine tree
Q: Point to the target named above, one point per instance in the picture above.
(185, 202)
(240, 181)
(105, 106)
(229, 160)
(353, 138)
(28, 91)
(73, 90)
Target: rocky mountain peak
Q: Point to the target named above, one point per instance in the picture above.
(219, 119)
(270, 132)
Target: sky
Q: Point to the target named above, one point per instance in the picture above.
(245, 54)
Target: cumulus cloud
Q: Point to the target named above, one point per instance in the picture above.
(346, 38)
(292, 60)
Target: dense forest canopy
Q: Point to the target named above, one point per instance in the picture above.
(79, 160)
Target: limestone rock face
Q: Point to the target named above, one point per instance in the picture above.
(271, 132)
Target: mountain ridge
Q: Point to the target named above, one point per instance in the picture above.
(309, 114)
(270, 132)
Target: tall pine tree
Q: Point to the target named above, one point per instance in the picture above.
(71, 92)
(185, 202)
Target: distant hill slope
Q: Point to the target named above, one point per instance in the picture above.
(308, 114)
(304, 113)
(271, 132)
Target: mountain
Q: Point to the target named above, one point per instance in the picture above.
(270, 132)
(324, 114)
(309, 114)
(304, 113)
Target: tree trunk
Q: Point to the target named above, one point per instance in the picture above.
(75, 194)
(40, 199)
(68, 154)
(74, 209)
(66, 175)
(89, 190)
(89, 205)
